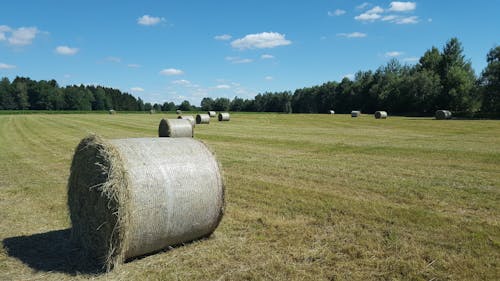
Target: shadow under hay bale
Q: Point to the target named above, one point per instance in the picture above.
(443, 115)
(188, 117)
(51, 251)
(224, 116)
(355, 113)
(380, 115)
(175, 128)
(124, 203)
(212, 113)
(202, 119)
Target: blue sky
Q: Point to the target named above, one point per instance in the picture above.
(186, 50)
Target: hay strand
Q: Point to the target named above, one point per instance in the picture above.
(175, 128)
(124, 203)
(202, 119)
(224, 116)
(380, 114)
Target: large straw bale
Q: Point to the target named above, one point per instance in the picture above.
(380, 114)
(130, 197)
(224, 116)
(355, 113)
(188, 117)
(443, 114)
(212, 113)
(175, 128)
(202, 119)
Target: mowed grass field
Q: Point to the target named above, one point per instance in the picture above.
(308, 197)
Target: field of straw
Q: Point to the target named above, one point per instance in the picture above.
(308, 197)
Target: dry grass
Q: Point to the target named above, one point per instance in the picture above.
(309, 197)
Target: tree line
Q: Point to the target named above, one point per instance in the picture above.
(442, 79)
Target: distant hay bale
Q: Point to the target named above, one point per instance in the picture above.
(175, 128)
(355, 113)
(223, 116)
(131, 197)
(202, 119)
(380, 114)
(332, 112)
(443, 114)
(152, 111)
(112, 111)
(188, 117)
(178, 112)
(212, 113)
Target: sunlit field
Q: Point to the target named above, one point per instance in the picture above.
(308, 197)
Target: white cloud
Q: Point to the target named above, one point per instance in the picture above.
(136, 89)
(183, 82)
(337, 12)
(149, 20)
(223, 37)
(223, 86)
(114, 59)
(6, 66)
(261, 41)
(407, 20)
(393, 54)
(390, 18)
(268, 78)
(363, 6)
(133, 65)
(367, 17)
(402, 6)
(238, 60)
(375, 10)
(171, 71)
(411, 59)
(350, 76)
(352, 35)
(67, 51)
(266, 57)
(19, 37)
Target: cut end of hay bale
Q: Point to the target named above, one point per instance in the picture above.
(97, 201)
(175, 128)
(443, 114)
(224, 116)
(202, 119)
(123, 203)
(380, 114)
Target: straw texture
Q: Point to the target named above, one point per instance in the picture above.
(124, 203)
(212, 113)
(443, 114)
(355, 113)
(175, 128)
(223, 116)
(188, 117)
(380, 114)
(202, 119)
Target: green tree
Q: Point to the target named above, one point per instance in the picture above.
(207, 104)
(221, 104)
(490, 82)
(185, 106)
(169, 106)
(6, 95)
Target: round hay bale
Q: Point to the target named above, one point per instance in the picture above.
(355, 113)
(332, 112)
(178, 112)
(188, 117)
(175, 128)
(131, 197)
(443, 114)
(112, 111)
(380, 114)
(212, 113)
(152, 111)
(223, 116)
(202, 119)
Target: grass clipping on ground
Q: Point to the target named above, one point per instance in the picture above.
(123, 203)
